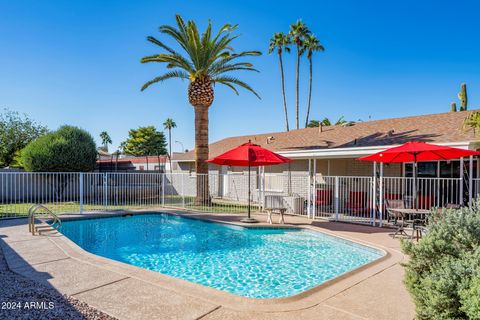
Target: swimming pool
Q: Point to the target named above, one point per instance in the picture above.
(250, 262)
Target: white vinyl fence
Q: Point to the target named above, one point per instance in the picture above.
(339, 198)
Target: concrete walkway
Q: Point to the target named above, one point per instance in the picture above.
(128, 292)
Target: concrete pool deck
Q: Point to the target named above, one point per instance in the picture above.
(123, 291)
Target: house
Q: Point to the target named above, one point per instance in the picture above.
(333, 150)
(123, 163)
(324, 164)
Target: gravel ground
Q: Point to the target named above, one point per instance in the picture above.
(22, 298)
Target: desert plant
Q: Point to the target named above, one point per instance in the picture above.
(208, 59)
(443, 272)
(280, 42)
(68, 149)
(311, 45)
(453, 107)
(462, 96)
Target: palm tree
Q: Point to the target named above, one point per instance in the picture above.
(298, 31)
(311, 45)
(326, 122)
(205, 60)
(169, 124)
(280, 42)
(106, 140)
(472, 122)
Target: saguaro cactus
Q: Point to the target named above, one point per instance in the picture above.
(453, 107)
(462, 96)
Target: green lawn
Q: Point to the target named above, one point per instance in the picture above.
(21, 209)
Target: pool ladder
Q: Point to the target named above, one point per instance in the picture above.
(54, 225)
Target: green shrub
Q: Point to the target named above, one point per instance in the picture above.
(69, 149)
(443, 273)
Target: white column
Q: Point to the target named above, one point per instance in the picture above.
(470, 181)
(336, 197)
(309, 191)
(460, 200)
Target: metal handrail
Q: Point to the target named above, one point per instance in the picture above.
(31, 218)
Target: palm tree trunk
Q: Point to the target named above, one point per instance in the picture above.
(201, 155)
(283, 92)
(309, 93)
(298, 86)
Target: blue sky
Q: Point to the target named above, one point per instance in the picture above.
(77, 62)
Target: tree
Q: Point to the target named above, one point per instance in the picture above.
(145, 141)
(69, 149)
(298, 31)
(169, 124)
(280, 42)
(326, 122)
(472, 122)
(16, 131)
(205, 61)
(106, 140)
(311, 45)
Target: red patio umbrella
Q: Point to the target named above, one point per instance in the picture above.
(249, 155)
(417, 151)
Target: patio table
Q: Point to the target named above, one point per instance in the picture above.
(416, 217)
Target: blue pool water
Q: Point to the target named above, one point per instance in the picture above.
(257, 263)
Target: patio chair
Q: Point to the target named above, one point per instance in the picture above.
(425, 201)
(398, 218)
(357, 202)
(323, 198)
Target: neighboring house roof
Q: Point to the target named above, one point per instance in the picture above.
(151, 159)
(433, 128)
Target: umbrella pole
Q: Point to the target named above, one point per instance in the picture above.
(249, 191)
(415, 168)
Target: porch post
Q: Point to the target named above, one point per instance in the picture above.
(470, 181)
(309, 191)
(336, 198)
(380, 209)
(460, 200)
(314, 188)
(374, 193)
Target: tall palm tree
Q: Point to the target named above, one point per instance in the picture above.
(106, 140)
(298, 31)
(311, 45)
(169, 124)
(280, 42)
(204, 60)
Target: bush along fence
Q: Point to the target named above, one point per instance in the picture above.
(341, 198)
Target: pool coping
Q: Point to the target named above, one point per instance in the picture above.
(306, 299)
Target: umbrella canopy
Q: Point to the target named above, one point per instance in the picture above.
(249, 154)
(419, 151)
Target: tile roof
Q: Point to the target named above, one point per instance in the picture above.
(151, 159)
(433, 128)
